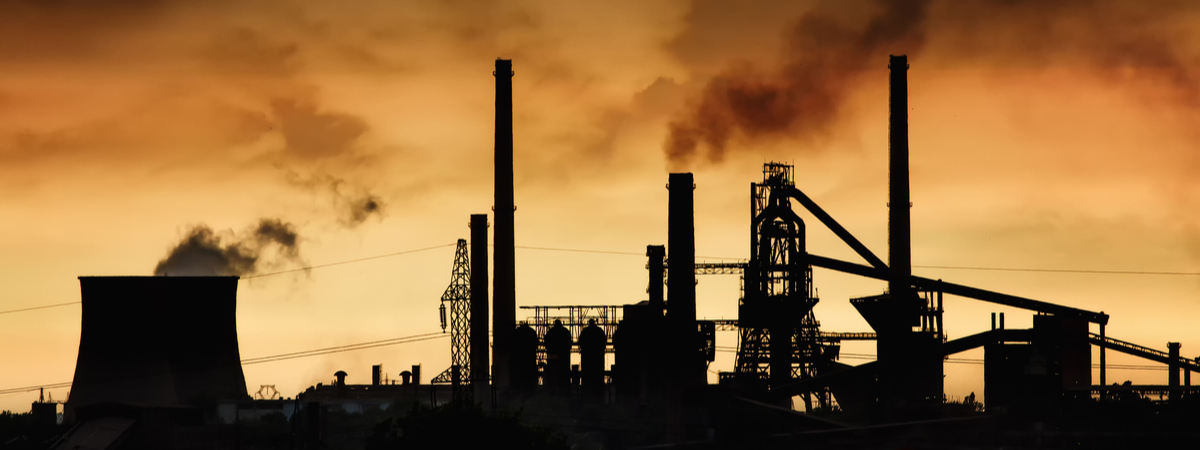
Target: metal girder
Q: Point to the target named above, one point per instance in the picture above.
(962, 291)
(1142, 352)
(834, 226)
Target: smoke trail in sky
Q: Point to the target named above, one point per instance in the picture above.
(203, 252)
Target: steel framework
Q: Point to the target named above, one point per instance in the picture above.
(575, 319)
(458, 295)
(777, 297)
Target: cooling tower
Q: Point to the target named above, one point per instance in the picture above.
(157, 341)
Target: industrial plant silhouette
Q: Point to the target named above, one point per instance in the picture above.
(158, 363)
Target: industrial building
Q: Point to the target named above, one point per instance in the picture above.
(1039, 386)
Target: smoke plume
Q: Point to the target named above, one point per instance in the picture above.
(354, 205)
(202, 252)
(359, 209)
(804, 94)
(1134, 46)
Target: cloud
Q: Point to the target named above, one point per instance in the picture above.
(313, 135)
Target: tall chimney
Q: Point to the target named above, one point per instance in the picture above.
(479, 307)
(899, 234)
(504, 311)
(681, 279)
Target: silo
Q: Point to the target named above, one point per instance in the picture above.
(157, 341)
(558, 357)
(524, 359)
(592, 342)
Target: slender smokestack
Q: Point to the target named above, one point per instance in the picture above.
(681, 279)
(899, 235)
(504, 290)
(479, 307)
(654, 262)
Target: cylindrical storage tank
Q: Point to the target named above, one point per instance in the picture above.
(558, 357)
(525, 369)
(592, 343)
(157, 341)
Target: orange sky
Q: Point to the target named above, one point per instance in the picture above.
(1056, 136)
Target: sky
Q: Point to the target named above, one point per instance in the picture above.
(276, 135)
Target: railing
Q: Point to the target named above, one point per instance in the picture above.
(1144, 352)
(861, 336)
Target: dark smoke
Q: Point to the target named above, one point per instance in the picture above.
(353, 207)
(204, 253)
(358, 210)
(804, 94)
(1134, 46)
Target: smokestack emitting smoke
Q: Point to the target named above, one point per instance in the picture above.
(504, 294)
(203, 252)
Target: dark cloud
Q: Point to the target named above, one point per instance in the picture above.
(1141, 46)
(244, 51)
(164, 128)
(203, 252)
(32, 30)
(313, 135)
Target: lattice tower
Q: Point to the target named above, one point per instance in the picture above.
(458, 295)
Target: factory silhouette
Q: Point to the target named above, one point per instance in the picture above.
(158, 363)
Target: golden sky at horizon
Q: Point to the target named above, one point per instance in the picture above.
(1061, 136)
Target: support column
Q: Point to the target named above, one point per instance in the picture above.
(655, 254)
(1173, 368)
(1103, 365)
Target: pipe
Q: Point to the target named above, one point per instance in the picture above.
(479, 307)
(504, 308)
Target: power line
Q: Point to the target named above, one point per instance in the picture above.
(38, 307)
(34, 388)
(317, 266)
(345, 348)
(279, 357)
(607, 252)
